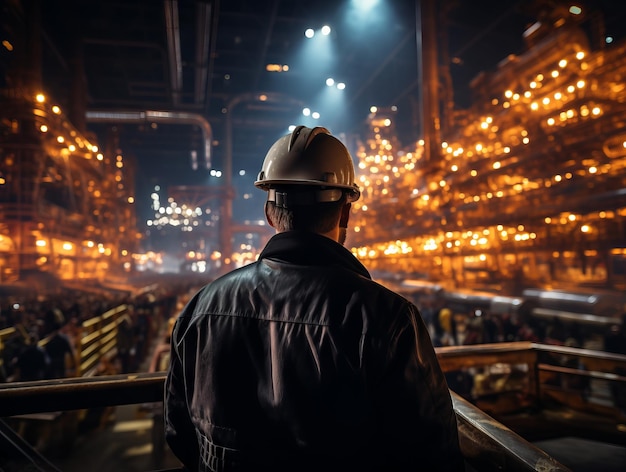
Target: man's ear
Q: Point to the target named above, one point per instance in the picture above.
(345, 215)
(267, 216)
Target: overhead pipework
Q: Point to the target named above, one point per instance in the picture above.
(168, 117)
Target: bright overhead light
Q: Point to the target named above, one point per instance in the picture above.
(341, 85)
(315, 115)
(364, 5)
(330, 81)
(325, 30)
(306, 111)
(309, 33)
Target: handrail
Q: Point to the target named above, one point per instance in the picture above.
(75, 393)
(484, 349)
(581, 373)
(99, 338)
(589, 354)
(555, 388)
(485, 443)
(496, 446)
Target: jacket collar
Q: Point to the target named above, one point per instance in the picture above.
(307, 248)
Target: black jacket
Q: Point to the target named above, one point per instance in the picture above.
(300, 362)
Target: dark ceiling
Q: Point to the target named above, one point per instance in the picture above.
(202, 56)
(208, 57)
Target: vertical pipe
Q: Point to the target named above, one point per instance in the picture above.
(226, 227)
(203, 36)
(173, 48)
(426, 36)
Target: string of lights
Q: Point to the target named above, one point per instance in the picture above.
(533, 173)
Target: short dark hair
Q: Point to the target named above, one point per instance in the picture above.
(318, 218)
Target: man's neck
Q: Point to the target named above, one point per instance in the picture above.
(337, 234)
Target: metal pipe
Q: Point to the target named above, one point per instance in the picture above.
(213, 45)
(428, 72)
(226, 226)
(203, 18)
(173, 47)
(170, 117)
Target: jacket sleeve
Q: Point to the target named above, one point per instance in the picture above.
(419, 423)
(180, 432)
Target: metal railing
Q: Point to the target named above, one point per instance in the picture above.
(486, 444)
(99, 339)
(544, 392)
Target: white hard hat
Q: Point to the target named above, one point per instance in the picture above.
(311, 158)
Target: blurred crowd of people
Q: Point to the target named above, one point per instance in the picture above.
(47, 327)
(450, 327)
(48, 330)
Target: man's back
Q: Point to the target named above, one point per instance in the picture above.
(301, 361)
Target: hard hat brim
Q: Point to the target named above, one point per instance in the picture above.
(353, 191)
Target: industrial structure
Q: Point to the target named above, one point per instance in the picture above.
(520, 193)
(526, 186)
(529, 183)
